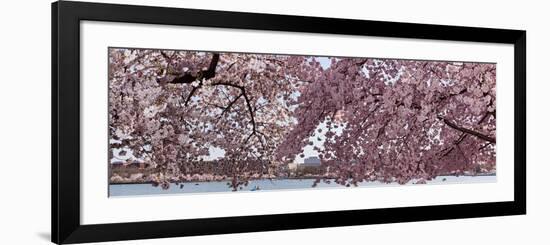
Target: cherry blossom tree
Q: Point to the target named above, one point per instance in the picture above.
(386, 120)
(171, 107)
(401, 119)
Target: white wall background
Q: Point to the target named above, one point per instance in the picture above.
(25, 121)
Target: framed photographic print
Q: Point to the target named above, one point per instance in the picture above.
(176, 122)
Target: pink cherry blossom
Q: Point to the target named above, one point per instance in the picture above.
(386, 120)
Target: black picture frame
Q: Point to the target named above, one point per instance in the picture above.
(66, 17)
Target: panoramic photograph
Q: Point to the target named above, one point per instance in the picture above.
(183, 121)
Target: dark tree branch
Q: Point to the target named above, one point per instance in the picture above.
(250, 110)
(230, 66)
(468, 131)
(226, 109)
(247, 100)
(464, 135)
(191, 94)
(484, 146)
(209, 73)
(189, 78)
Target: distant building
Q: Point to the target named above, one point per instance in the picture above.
(130, 164)
(312, 161)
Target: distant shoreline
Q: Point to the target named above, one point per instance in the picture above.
(205, 181)
(290, 178)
